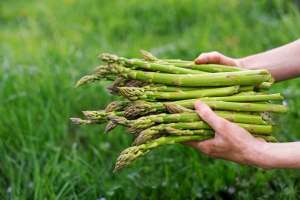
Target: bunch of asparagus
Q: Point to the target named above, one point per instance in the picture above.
(159, 94)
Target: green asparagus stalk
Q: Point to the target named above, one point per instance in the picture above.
(135, 126)
(182, 132)
(165, 88)
(158, 130)
(249, 77)
(101, 115)
(141, 64)
(134, 93)
(140, 108)
(130, 154)
(189, 64)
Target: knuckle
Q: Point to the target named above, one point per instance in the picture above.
(216, 53)
(224, 125)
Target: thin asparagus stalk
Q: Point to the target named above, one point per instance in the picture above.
(249, 77)
(141, 64)
(190, 64)
(156, 131)
(236, 106)
(253, 107)
(140, 108)
(165, 88)
(206, 67)
(182, 132)
(130, 154)
(142, 123)
(134, 93)
(101, 115)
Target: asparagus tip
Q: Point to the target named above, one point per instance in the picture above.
(132, 93)
(118, 120)
(174, 108)
(148, 56)
(85, 79)
(110, 126)
(79, 121)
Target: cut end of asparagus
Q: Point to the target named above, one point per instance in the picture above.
(174, 108)
(79, 121)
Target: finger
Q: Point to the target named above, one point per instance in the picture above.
(228, 61)
(215, 58)
(202, 59)
(210, 57)
(204, 146)
(209, 116)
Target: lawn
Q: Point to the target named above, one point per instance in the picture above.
(45, 46)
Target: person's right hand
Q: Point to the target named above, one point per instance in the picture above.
(215, 57)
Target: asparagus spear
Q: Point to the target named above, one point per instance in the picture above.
(100, 115)
(140, 108)
(249, 77)
(134, 93)
(130, 154)
(142, 123)
(141, 64)
(189, 64)
(156, 131)
(165, 88)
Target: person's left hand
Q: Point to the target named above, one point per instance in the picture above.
(231, 142)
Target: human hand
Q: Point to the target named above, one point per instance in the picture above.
(215, 57)
(231, 142)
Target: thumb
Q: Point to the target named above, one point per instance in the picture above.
(206, 114)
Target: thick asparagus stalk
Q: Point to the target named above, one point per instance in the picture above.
(134, 93)
(101, 115)
(130, 154)
(141, 64)
(249, 77)
(156, 131)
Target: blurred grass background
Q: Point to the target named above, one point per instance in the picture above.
(45, 46)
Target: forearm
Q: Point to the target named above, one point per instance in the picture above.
(282, 62)
(275, 155)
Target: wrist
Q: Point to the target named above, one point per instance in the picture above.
(256, 154)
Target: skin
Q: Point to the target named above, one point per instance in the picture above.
(234, 143)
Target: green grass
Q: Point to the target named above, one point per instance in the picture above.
(45, 46)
